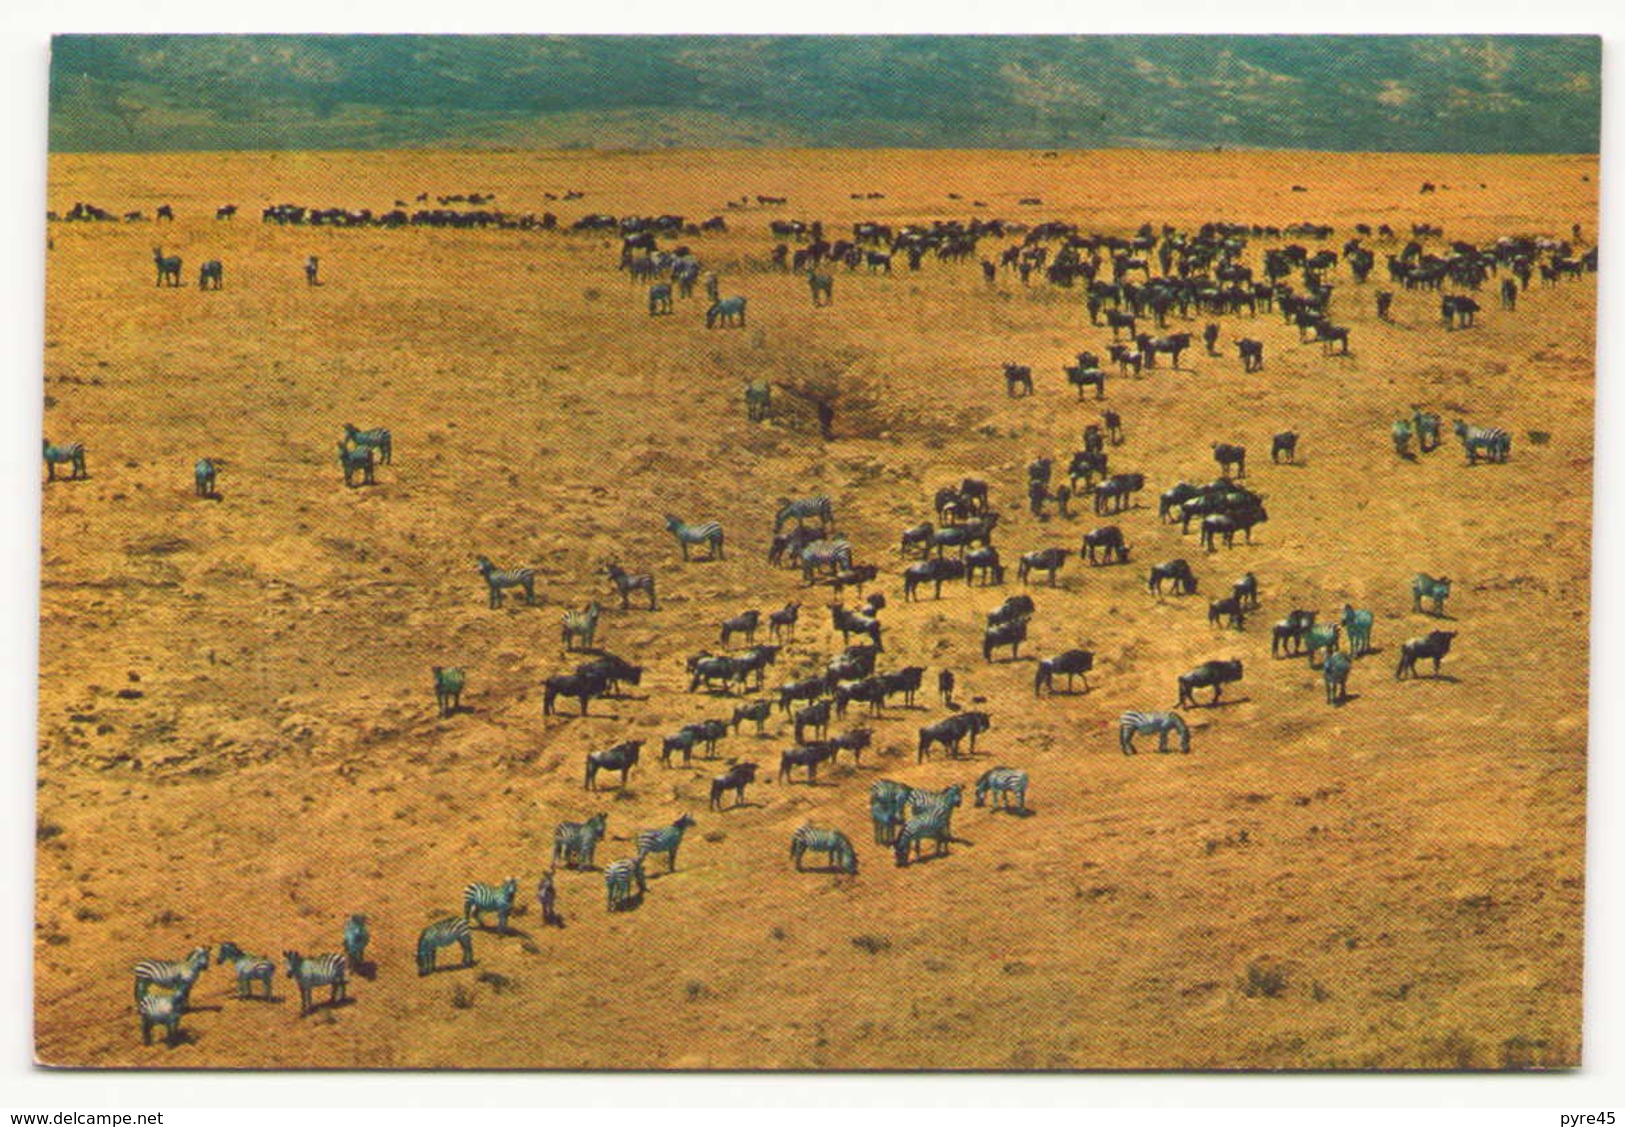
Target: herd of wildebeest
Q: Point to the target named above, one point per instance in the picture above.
(1128, 283)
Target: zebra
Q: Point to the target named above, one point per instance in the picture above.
(211, 275)
(1426, 425)
(659, 298)
(248, 970)
(1400, 433)
(1357, 628)
(448, 689)
(726, 311)
(496, 580)
(1072, 663)
(480, 898)
(800, 510)
(203, 474)
(832, 843)
(619, 876)
(1158, 724)
(176, 977)
(574, 842)
(931, 817)
(1491, 443)
(888, 801)
(708, 533)
(1424, 586)
(73, 454)
(355, 461)
(160, 1009)
(1213, 675)
(581, 624)
(620, 758)
(1435, 644)
(664, 840)
(356, 937)
(375, 439)
(822, 287)
(1002, 783)
(1335, 672)
(169, 267)
(1317, 638)
(309, 972)
(626, 583)
(443, 933)
(835, 555)
(758, 400)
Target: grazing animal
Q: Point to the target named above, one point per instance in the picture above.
(211, 275)
(726, 311)
(626, 583)
(822, 287)
(736, 778)
(1426, 425)
(1229, 456)
(708, 533)
(834, 556)
(309, 972)
(1004, 784)
(1159, 724)
(850, 622)
(842, 858)
(1071, 663)
(443, 933)
(1424, 586)
(659, 298)
(808, 756)
(176, 977)
(1081, 377)
(1286, 636)
(1245, 590)
(1116, 491)
(248, 969)
(1491, 443)
(377, 439)
(1108, 542)
(1435, 645)
(1010, 634)
(1176, 572)
(814, 716)
(1400, 432)
(169, 267)
(683, 742)
(783, 622)
(448, 689)
(498, 580)
(574, 842)
(1357, 628)
(1015, 607)
(665, 840)
(203, 475)
(951, 731)
(583, 684)
(620, 758)
(72, 455)
(1284, 445)
(1210, 337)
(1018, 375)
(481, 898)
(1209, 675)
(802, 509)
(758, 400)
(758, 711)
(1229, 607)
(313, 265)
(547, 899)
(855, 741)
(745, 624)
(888, 805)
(619, 877)
(357, 460)
(1251, 353)
(1045, 559)
(1336, 675)
(356, 938)
(983, 561)
(160, 1009)
(931, 817)
(1318, 638)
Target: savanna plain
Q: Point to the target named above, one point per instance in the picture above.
(238, 737)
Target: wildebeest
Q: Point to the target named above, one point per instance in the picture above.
(1013, 609)
(1177, 572)
(1044, 559)
(211, 275)
(822, 287)
(1070, 663)
(168, 267)
(1252, 354)
(783, 622)
(736, 778)
(1284, 445)
(808, 756)
(1228, 455)
(745, 624)
(951, 731)
(1081, 377)
(1209, 675)
(727, 311)
(814, 716)
(1245, 590)
(1228, 607)
(1018, 375)
(1286, 636)
(1108, 542)
(659, 298)
(985, 561)
(626, 583)
(1010, 634)
(1435, 645)
(936, 570)
(850, 622)
(622, 757)
(1115, 492)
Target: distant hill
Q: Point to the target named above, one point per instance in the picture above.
(1498, 94)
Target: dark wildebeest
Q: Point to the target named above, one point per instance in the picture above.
(1229, 607)
(1108, 542)
(1209, 675)
(1177, 572)
(1044, 559)
(620, 758)
(1228, 455)
(1435, 645)
(1071, 663)
(1018, 374)
(1010, 634)
(1252, 354)
(1285, 443)
(735, 779)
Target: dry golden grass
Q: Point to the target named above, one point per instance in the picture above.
(1391, 884)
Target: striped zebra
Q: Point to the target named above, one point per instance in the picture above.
(211, 275)
(834, 555)
(248, 969)
(758, 400)
(1158, 724)
(626, 583)
(448, 689)
(1400, 433)
(311, 971)
(160, 1009)
(581, 624)
(480, 898)
(498, 580)
(1003, 783)
(619, 877)
(664, 840)
(931, 817)
(888, 801)
(443, 933)
(203, 475)
(1491, 443)
(708, 533)
(176, 977)
(1357, 629)
(73, 454)
(375, 439)
(1335, 672)
(574, 842)
(802, 510)
(1424, 586)
(356, 460)
(356, 937)
(1426, 425)
(833, 843)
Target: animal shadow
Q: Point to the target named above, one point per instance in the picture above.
(335, 1004)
